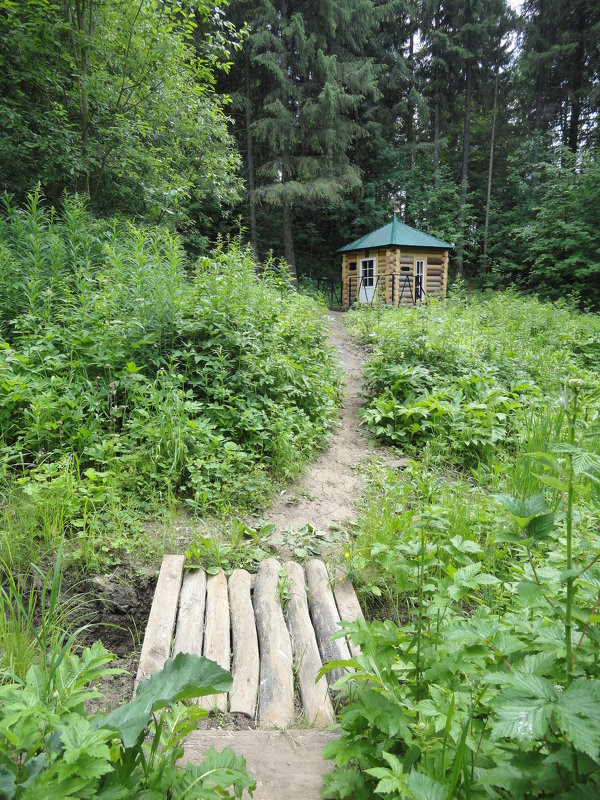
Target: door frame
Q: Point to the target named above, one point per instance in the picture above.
(366, 292)
(421, 288)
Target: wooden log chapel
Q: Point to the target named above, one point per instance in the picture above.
(395, 264)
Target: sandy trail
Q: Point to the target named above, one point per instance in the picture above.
(327, 494)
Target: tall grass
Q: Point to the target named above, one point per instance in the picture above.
(37, 624)
(471, 375)
(128, 374)
(483, 555)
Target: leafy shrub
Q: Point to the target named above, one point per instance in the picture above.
(464, 374)
(126, 372)
(490, 688)
(50, 747)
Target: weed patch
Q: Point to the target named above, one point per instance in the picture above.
(484, 682)
(129, 375)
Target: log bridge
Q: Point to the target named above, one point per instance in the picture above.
(272, 630)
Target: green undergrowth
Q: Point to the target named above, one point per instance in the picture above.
(464, 376)
(132, 379)
(241, 546)
(483, 554)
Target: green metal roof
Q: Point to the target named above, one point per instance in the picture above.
(399, 234)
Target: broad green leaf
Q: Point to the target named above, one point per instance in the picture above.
(553, 482)
(216, 773)
(578, 715)
(182, 678)
(535, 686)
(529, 590)
(523, 510)
(7, 782)
(422, 787)
(520, 718)
(541, 526)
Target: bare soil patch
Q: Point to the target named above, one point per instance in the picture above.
(326, 495)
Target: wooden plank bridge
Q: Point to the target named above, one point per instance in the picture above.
(266, 629)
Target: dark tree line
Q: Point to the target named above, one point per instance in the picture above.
(472, 122)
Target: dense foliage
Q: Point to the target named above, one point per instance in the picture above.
(473, 122)
(126, 372)
(465, 375)
(116, 101)
(485, 552)
(464, 118)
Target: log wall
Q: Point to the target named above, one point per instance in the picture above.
(401, 264)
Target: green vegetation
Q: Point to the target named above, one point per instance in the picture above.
(131, 377)
(149, 359)
(117, 101)
(459, 378)
(50, 746)
(474, 122)
(484, 550)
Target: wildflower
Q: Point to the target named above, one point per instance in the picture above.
(347, 554)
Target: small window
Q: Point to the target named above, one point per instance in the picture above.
(352, 266)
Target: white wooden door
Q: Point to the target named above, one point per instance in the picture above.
(367, 277)
(419, 280)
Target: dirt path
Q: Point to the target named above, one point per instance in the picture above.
(328, 491)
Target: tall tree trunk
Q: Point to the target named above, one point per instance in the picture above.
(436, 106)
(286, 207)
(576, 84)
(250, 161)
(288, 238)
(79, 36)
(464, 175)
(409, 114)
(538, 125)
(490, 166)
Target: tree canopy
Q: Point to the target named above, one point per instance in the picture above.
(311, 123)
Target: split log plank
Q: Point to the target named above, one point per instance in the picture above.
(317, 705)
(283, 764)
(161, 622)
(347, 605)
(189, 631)
(325, 616)
(246, 662)
(276, 687)
(216, 634)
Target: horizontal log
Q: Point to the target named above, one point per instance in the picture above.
(246, 662)
(283, 765)
(189, 631)
(276, 687)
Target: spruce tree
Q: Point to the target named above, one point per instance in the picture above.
(310, 78)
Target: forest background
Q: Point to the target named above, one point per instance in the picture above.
(309, 123)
